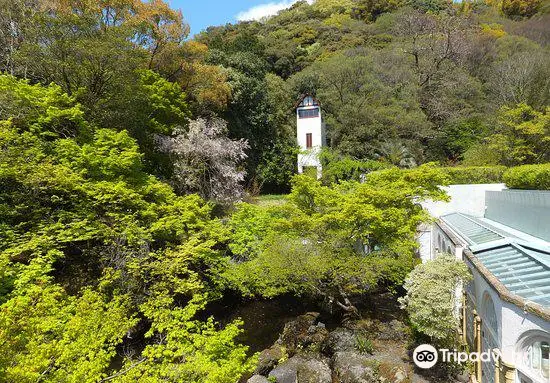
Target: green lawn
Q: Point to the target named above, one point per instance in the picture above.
(270, 199)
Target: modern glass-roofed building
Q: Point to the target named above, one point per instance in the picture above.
(505, 241)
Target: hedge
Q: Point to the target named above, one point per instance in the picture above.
(533, 177)
(475, 174)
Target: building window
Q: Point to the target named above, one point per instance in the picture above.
(537, 358)
(533, 356)
(309, 101)
(309, 141)
(308, 113)
(490, 315)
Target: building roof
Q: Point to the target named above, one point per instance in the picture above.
(522, 266)
(298, 103)
(524, 271)
(471, 229)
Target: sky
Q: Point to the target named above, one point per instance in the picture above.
(201, 14)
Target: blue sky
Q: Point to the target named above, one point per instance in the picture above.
(203, 13)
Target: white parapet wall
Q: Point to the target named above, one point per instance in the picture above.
(466, 199)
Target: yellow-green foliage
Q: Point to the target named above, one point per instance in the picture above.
(338, 168)
(475, 174)
(536, 177)
(89, 243)
(521, 136)
(494, 30)
(520, 8)
(310, 244)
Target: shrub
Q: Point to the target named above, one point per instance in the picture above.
(431, 300)
(338, 168)
(475, 174)
(310, 171)
(535, 177)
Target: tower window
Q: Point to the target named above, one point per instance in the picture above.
(309, 141)
(308, 113)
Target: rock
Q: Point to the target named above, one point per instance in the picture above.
(395, 372)
(302, 369)
(400, 375)
(463, 377)
(268, 359)
(257, 379)
(286, 372)
(394, 330)
(340, 339)
(352, 367)
(315, 334)
(302, 332)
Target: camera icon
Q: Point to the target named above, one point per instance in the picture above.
(425, 356)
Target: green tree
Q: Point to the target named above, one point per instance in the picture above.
(94, 249)
(366, 103)
(521, 137)
(334, 243)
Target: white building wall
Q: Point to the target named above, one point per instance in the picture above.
(425, 244)
(433, 240)
(514, 323)
(313, 125)
(467, 199)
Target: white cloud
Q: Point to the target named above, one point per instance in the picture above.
(258, 12)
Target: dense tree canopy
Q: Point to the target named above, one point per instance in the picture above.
(124, 144)
(333, 242)
(96, 252)
(405, 81)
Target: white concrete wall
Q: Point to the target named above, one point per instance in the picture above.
(467, 199)
(425, 245)
(446, 246)
(309, 157)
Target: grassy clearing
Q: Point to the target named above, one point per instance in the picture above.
(270, 199)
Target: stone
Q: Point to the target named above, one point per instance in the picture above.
(352, 367)
(257, 379)
(268, 359)
(302, 332)
(400, 376)
(302, 369)
(315, 335)
(463, 377)
(395, 372)
(393, 330)
(341, 339)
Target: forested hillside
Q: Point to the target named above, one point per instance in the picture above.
(401, 81)
(127, 147)
(404, 82)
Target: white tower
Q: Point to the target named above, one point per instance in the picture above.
(310, 134)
